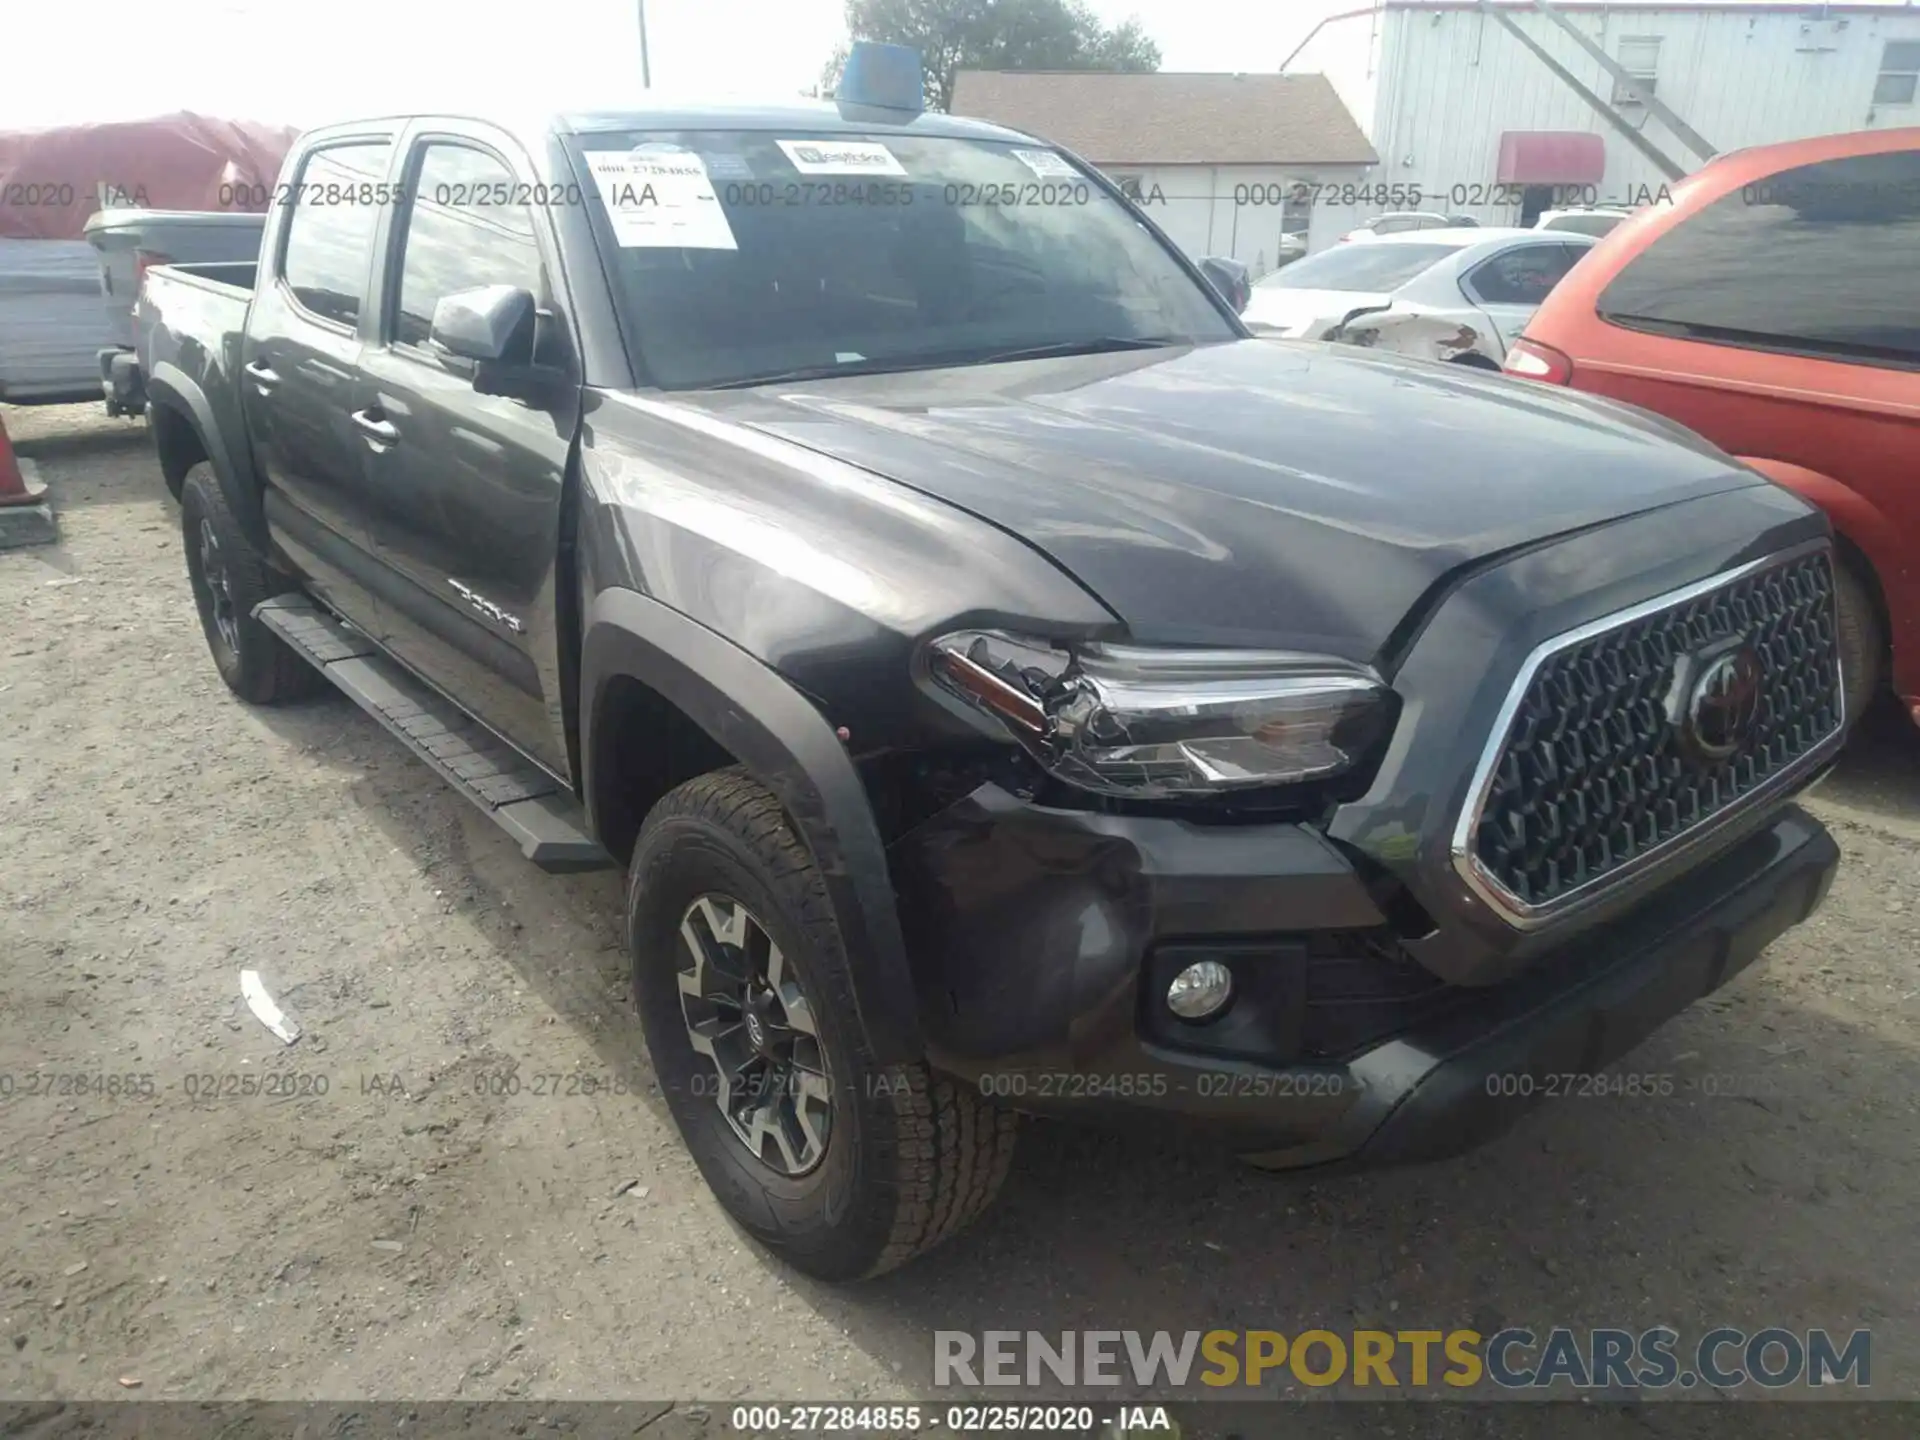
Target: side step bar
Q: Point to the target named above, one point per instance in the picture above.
(520, 797)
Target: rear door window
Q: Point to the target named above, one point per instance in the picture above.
(329, 246)
(1521, 276)
(1821, 260)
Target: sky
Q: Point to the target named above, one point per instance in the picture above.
(302, 62)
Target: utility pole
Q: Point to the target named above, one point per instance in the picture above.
(646, 75)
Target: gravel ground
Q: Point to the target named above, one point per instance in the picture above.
(412, 1233)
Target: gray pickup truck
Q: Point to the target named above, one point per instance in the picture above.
(132, 241)
(1008, 685)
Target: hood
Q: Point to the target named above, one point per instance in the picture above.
(1306, 314)
(1264, 493)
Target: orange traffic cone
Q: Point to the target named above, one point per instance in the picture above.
(25, 516)
(16, 488)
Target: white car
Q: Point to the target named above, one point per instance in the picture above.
(1593, 220)
(1405, 222)
(1460, 295)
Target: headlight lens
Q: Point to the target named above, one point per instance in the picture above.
(1131, 721)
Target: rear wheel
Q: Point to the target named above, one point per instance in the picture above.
(844, 1167)
(229, 576)
(1863, 646)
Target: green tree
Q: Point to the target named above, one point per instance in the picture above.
(956, 35)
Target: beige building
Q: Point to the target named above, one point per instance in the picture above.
(1225, 164)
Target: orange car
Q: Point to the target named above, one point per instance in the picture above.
(1774, 307)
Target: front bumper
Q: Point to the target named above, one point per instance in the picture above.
(1041, 940)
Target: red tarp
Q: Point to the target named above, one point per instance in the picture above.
(50, 179)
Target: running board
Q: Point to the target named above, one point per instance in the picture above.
(521, 798)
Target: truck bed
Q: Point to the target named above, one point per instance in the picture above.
(190, 321)
(232, 277)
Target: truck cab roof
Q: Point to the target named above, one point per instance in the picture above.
(816, 117)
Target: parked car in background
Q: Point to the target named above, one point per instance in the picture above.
(1594, 220)
(1405, 222)
(128, 243)
(1774, 307)
(1459, 295)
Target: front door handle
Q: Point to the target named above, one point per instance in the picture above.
(263, 375)
(380, 433)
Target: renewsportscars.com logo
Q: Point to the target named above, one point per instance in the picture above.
(1512, 1359)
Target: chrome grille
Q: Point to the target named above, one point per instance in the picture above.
(1605, 763)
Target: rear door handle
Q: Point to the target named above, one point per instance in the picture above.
(380, 434)
(262, 375)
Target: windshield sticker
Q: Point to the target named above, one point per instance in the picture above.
(1046, 164)
(724, 166)
(840, 157)
(660, 200)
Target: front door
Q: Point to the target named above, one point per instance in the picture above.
(466, 488)
(299, 372)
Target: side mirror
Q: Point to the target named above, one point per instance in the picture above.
(1230, 278)
(492, 325)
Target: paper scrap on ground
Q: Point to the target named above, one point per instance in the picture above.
(1047, 165)
(263, 1008)
(660, 200)
(840, 157)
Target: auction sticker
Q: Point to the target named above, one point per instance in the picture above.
(841, 157)
(660, 200)
(1046, 164)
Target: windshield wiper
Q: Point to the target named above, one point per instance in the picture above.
(899, 364)
(1099, 344)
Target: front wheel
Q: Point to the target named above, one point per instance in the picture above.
(844, 1167)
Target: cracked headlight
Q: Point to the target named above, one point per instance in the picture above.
(1146, 723)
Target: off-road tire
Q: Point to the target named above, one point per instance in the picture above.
(259, 668)
(1857, 631)
(911, 1157)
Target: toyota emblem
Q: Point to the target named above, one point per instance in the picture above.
(1725, 703)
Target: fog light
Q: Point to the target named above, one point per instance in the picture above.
(1200, 990)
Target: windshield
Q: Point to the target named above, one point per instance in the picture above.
(746, 254)
(1358, 266)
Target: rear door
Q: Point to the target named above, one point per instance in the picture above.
(465, 503)
(1509, 286)
(299, 364)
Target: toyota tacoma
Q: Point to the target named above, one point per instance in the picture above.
(1009, 686)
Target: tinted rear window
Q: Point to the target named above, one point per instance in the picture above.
(1821, 260)
(329, 246)
(1358, 266)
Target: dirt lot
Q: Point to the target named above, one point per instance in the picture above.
(410, 1234)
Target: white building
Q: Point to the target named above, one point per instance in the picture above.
(1213, 158)
(1457, 105)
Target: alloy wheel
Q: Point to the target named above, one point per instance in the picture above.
(213, 575)
(745, 1011)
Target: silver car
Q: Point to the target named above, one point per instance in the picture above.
(1462, 295)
